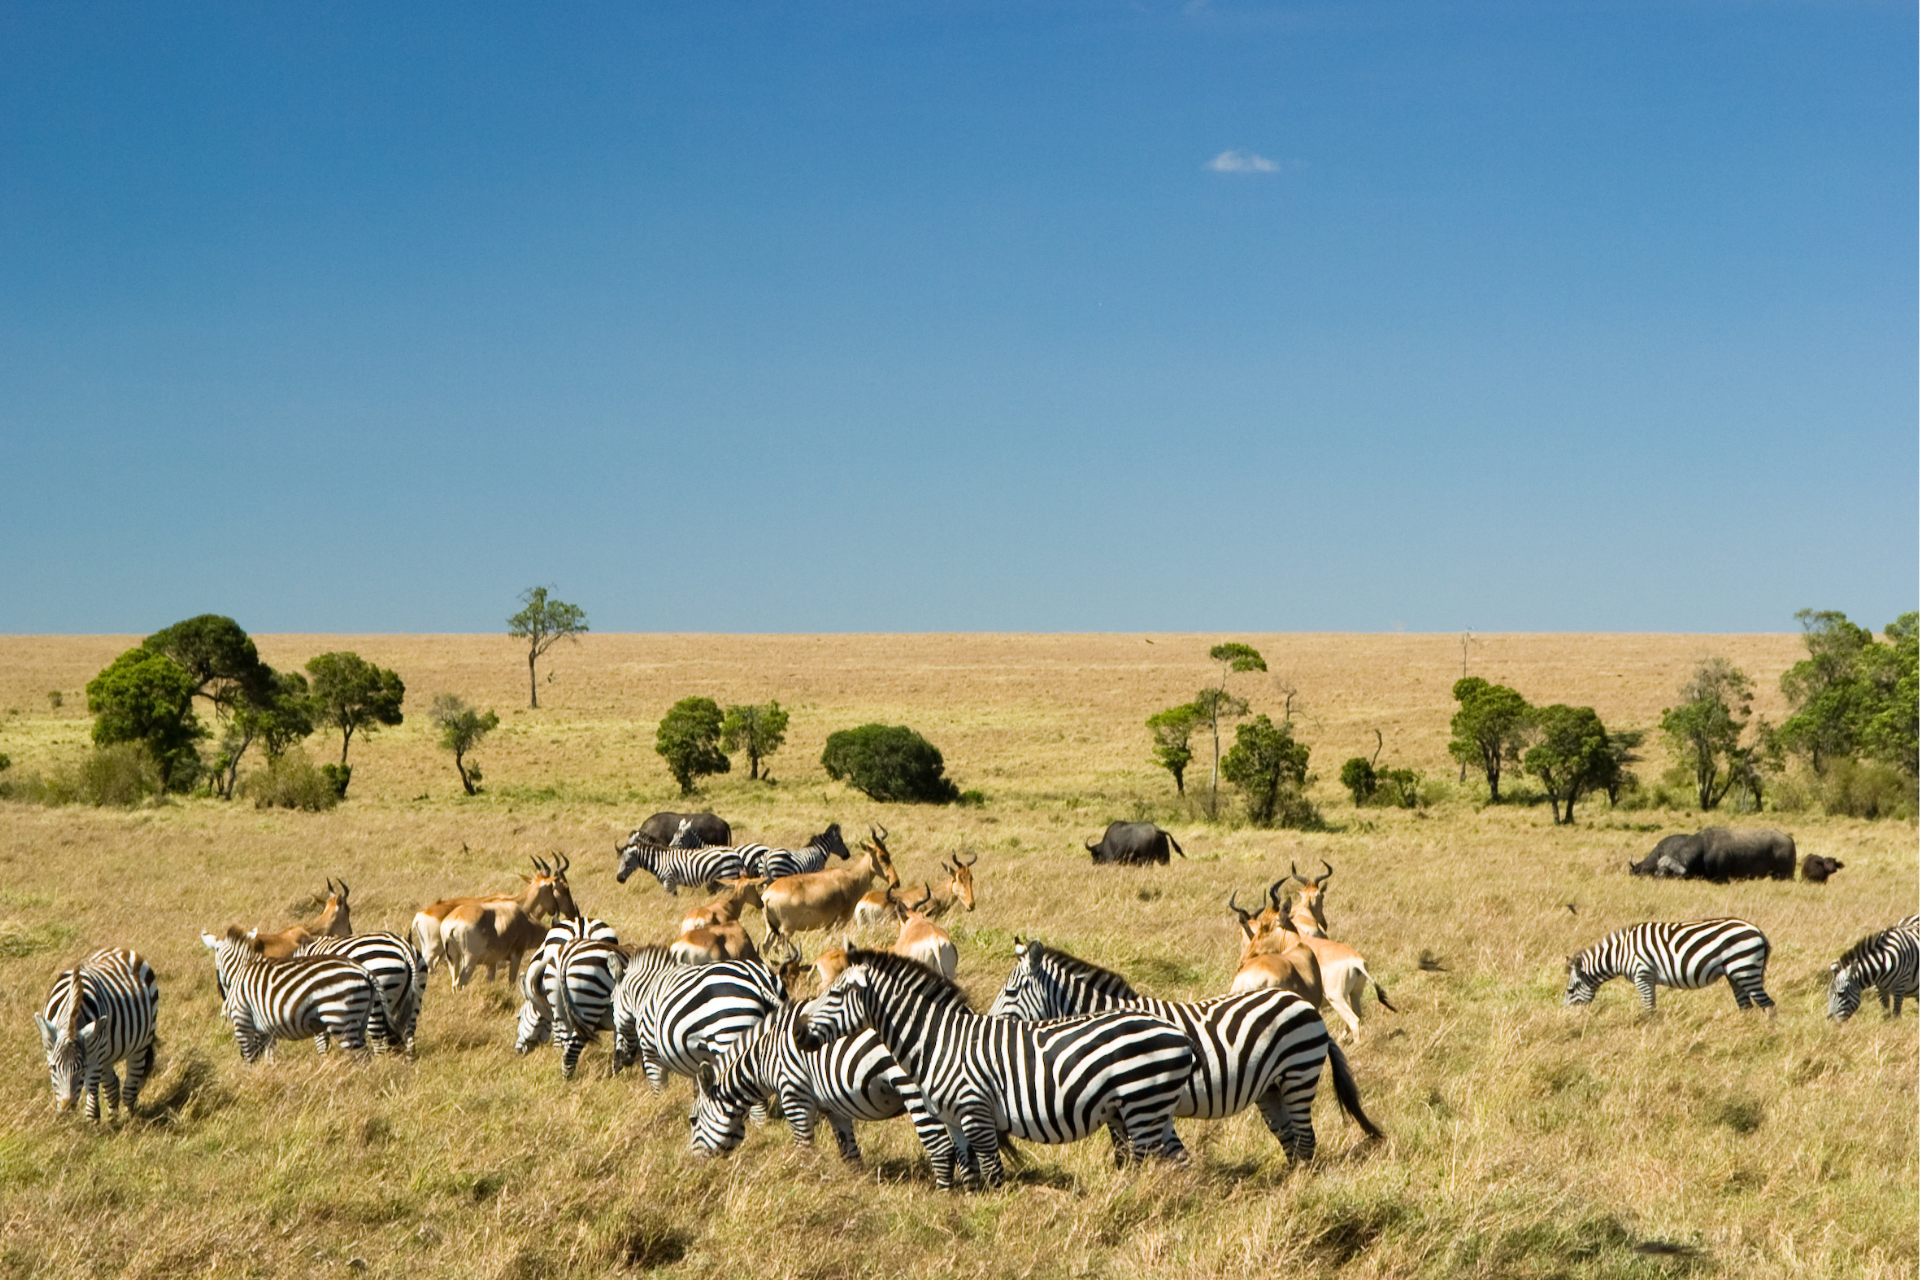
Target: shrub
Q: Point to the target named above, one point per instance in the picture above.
(689, 741)
(1270, 768)
(1358, 777)
(292, 782)
(120, 775)
(889, 763)
(1863, 789)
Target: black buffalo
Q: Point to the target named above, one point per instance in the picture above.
(1817, 867)
(702, 829)
(1720, 855)
(1134, 843)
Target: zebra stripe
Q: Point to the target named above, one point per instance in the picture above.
(983, 1077)
(100, 1012)
(1696, 953)
(677, 1018)
(1888, 961)
(1262, 1048)
(326, 997)
(536, 1010)
(676, 869)
(399, 975)
(852, 1078)
(771, 864)
(580, 986)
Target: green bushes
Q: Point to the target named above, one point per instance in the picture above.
(689, 741)
(1270, 769)
(290, 781)
(889, 763)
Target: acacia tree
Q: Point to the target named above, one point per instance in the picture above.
(1172, 731)
(1572, 755)
(352, 695)
(1488, 729)
(146, 697)
(1705, 729)
(461, 729)
(689, 741)
(541, 624)
(1215, 704)
(758, 730)
(1271, 769)
(276, 721)
(1853, 695)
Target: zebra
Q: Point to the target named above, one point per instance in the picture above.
(678, 1016)
(580, 983)
(326, 997)
(399, 975)
(852, 1078)
(983, 1077)
(1260, 1048)
(676, 869)
(536, 1009)
(1888, 960)
(771, 864)
(1696, 953)
(101, 1011)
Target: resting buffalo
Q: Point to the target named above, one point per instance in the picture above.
(1817, 867)
(1134, 843)
(1720, 855)
(703, 828)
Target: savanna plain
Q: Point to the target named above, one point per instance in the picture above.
(1524, 1138)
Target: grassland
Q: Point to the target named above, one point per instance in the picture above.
(1525, 1139)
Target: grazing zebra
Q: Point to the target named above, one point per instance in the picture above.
(1260, 1048)
(852, 1078)
(1888, 960)
(1697, 953)
(677, 1017)
(676, 869)
(580, 984)
(99, 1012)
(771, 864)
(536, 1010)
(399, 975)
(983, 1077)
(326, 997)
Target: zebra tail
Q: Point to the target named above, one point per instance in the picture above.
(1348, 1092)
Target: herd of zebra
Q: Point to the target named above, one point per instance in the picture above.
(1065, 1047)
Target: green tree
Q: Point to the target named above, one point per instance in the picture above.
(889, 763)
(1216, 705)
(1270, 768)
(1623, 750)
(1704, 731)
(1572, 754)
(1489, 728)
(689, 741)
(220, 657)
(1172, 731)
(541, 624)
(1892, 731)
(146, 697)
(276, 720)
(352, 695)
(1358, 777)
(757, 730)
(1851, 695)
(461, 729)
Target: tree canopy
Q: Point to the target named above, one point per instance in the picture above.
(689, 741)
(541, 623)
(1706, 728)
(219, 656)
(1852, 695)
(1572, 754)
(1270, 768)
(1215, 705)
(757, 730)
(1489, 728)
(461, 728)
(889, 763)
(352, 695)
(1172, 732)
(147, 697)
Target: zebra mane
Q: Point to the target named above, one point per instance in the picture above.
(74, 991)
(912, 975)
(1862, 949)
(1086, 971)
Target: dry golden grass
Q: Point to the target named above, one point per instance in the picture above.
(1525, 1138)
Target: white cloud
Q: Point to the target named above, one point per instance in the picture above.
(1242, 162)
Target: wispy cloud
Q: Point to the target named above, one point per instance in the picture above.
(1242, 162)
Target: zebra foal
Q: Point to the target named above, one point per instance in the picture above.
(325, 997)
(100, 1012)
(983, 1077)
(1693, 954)
(1888, 960)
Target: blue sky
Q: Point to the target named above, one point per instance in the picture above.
(975, 316)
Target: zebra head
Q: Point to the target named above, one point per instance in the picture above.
(635, 856)
(1581, 984)
(719, 1118)
(1843, 992)
(842, 1010)
(1024, 995)
(831, 841)
(66, 1043)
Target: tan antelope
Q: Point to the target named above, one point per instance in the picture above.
(1273, 956)
(469, 932)
(923, 940)
(336, 921)
(1342, 968)
(879, 906)
(725, 909)
(958, 888)
(710, 944)
(820, 899)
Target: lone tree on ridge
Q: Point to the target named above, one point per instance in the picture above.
(541, 623)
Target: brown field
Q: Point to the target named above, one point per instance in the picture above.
(1525, 1139)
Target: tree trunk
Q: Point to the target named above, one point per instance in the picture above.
(533, 684)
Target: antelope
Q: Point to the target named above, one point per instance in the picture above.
(710, 944)
(335, 922)
(959, 888)
(469, 932)
(743, 892)
(923, 940)
(879, 906)
(792, 969)
(820, 899)
(1270, 959)
(1343, 968)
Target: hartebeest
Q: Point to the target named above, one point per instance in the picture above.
(923, 940)
(1273, 956)
(336, 921)
(820, 899)
(878, 906)
(958, 889)
(710, 944)
(469, 932)
(1342, 968)
(741, 893)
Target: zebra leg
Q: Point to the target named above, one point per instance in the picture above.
(797, 1109)
(843, 1136)
(320, 1043)
(935, 1138)
(570, 1056)
(110, 1085)
(1290, 1122)
(983, 1145)
(1643, 983)
(139, 1067)
(90, 1086)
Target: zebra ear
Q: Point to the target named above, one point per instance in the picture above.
(707, 1078)
(49, 1033)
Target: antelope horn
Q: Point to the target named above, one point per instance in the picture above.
(1235, 907)
(968, 863)
(344, 891)
(1323, 879)
(540, 865)
(331, 891)
(564, 862)
(1273, 896)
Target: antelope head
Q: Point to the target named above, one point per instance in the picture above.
(962, 878)
(336, 918)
